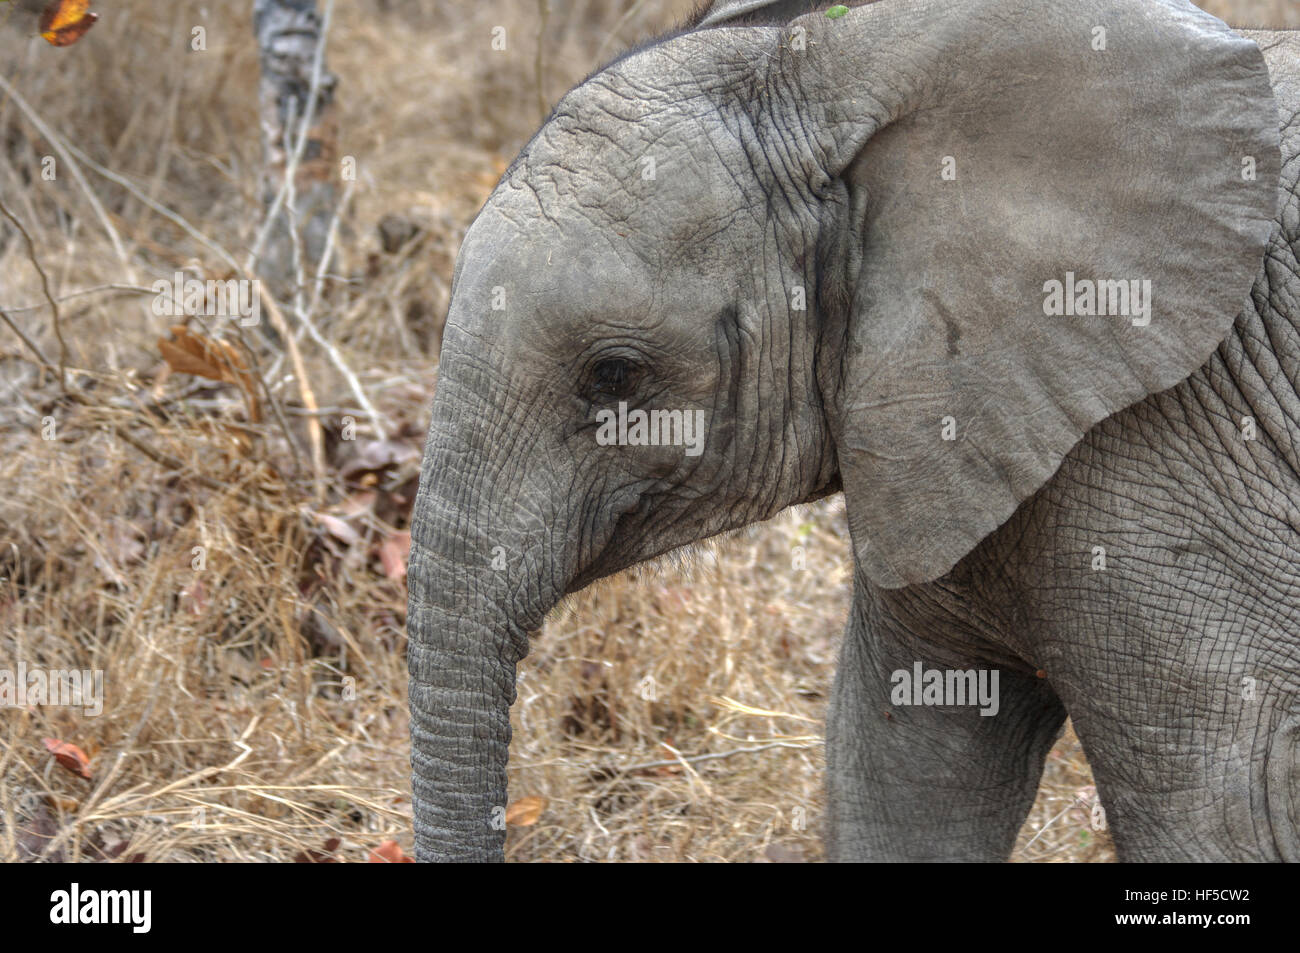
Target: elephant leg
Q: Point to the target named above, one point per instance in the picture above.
(1190, 728)
(1155, 584)
(929, 783)
(1230, 795)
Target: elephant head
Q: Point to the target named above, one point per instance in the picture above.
(914, 251)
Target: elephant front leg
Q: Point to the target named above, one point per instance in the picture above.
(912, 780)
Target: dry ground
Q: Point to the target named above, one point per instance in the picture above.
(255, 705)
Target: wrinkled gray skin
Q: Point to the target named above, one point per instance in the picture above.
(813, 160)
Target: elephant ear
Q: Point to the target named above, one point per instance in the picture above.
(987, 162)
(752, 11)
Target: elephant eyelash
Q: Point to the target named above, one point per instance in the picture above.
(613, 378)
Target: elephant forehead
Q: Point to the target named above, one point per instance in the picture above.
(649, 168)
(517, 272)
(525, 282)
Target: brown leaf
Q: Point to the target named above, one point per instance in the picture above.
(394, 552)
(389, 852)
(202, 356)
(525, 812)
(325, 856)
(64, 22)
(70, 756)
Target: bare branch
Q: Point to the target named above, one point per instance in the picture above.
(59, 146)
(45, 287)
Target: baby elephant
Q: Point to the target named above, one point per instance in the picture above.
(1021, 280)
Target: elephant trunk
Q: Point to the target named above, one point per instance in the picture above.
(464, 643)
(462, 685)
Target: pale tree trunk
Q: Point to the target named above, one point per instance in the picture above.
(289, 38)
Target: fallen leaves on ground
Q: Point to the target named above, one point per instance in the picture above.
(525, 812)
(389, 852)
(202, 356)
(70, 757)
(323, 856)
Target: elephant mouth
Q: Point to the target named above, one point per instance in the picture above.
(612, 556)
(601, 567)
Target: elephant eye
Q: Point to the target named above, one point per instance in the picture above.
(613, 377)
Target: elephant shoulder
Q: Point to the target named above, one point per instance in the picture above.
(1281, 49)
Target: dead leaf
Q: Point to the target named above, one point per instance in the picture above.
(70, 756)
(389, 852)
(325, 856)
(64, 22)
(394, 552)
(338, 528)
(202, 356)
(525, 812)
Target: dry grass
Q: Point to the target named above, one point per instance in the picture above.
(255, 707)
